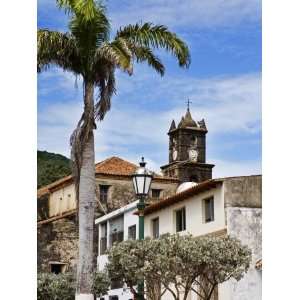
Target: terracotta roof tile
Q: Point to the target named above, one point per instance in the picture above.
(115, 166)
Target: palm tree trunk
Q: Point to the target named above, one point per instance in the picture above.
(86, 210)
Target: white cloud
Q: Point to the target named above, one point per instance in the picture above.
(178, 13)
(230, 104)
(226, 168)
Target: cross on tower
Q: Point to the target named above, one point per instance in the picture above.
(188, 103)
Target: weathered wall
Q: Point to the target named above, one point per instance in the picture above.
(243, 191)
(62, 200)
(57, 241)
(245, 224)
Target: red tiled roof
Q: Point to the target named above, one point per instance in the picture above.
(114, 166)
(201, 187)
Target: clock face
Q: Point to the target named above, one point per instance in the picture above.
(193, 155)
(175, 154)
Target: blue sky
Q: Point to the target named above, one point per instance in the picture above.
(223, 83)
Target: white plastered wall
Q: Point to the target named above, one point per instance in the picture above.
(195, 223)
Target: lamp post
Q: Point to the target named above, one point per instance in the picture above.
(141, 179)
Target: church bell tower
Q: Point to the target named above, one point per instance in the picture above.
(187, 151)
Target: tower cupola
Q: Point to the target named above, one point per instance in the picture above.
(187, 150)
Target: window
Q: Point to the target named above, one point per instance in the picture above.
(103, 193)
(209, 210)
(103, 238)
(180, 220)
(116, 229)
(156, 193)
(155, 228)
(132, 232)
(57, 268)
(114, 297)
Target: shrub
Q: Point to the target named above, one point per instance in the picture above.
(101, 283)
(55, 287)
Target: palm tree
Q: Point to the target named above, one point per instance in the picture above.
(87, 51)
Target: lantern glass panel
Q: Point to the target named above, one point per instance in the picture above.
(147, 184)
(140, 184)
(134, 184)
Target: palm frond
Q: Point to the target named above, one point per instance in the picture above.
(157, 36)
(59, 49)
(87, 8)
(89, 23)
(115, 53)
(107, 87)
(143, 54)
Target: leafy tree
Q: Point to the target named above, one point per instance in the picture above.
(179, 264)
(101, 284)
(87, 51)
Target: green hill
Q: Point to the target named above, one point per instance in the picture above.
(51, 167)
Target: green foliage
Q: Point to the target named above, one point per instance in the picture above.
(52, 286)
(181, 262)
(101, 283)
(55, 287)
(51, 167)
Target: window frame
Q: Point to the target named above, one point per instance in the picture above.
(103, 238)
(128, 231)
(183, 219)
(153, 221)
(210, 217)
(107, 186)
(156, 190)
(63, 267)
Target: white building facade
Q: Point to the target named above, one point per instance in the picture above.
(223, 206)
(117, 226)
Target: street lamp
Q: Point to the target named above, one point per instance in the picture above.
(141, 179)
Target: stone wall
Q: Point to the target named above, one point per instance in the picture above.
(243, 191)
(245, 224)
(57, 241)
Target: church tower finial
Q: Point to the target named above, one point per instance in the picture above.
(188, 104)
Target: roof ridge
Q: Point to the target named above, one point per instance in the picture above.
(115, 157)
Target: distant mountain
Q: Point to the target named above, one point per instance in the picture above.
(51, 167)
